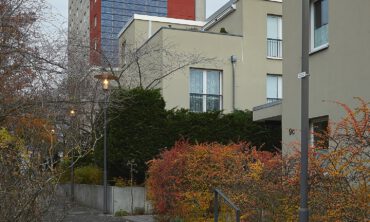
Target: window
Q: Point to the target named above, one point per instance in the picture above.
(319, 23)
(319, 129)
(274, 88)
(123, 52)
(95, 44)
(95, 21)
(274, 36)
(205, 90)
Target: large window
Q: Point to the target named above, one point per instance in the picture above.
(205, 90)
(274, 36)
(274, 89)
(319, 23)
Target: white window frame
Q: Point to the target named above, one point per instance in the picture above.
(204, 92)
(281, 88)
(280, 33)
(312, 30)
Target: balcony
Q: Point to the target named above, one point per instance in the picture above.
(274, 48)
(268, 112)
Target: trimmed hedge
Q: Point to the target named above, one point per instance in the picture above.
(140, 127)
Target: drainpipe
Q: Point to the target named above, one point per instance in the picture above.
(233, 60)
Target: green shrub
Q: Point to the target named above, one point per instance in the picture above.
(121, 182)
(65, 170)
(121, 213)
(142, 128)
(88, 175)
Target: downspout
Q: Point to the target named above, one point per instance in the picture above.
(233, 60)
(149, 29)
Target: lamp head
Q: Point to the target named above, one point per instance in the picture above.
(105, 79)
(105, 84)
(72, 112)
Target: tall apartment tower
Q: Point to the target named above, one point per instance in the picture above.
(98, 22)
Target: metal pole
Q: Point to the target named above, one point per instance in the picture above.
(216, 207)
(73, 176)
(105, 154)
(303, 211)
(237, 214)
(72, 161)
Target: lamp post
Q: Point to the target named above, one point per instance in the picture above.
(72, 114)
(51, 151)
(105, 78)
(304, 76)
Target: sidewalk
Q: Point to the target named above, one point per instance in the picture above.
(77, 213)
(141, 218)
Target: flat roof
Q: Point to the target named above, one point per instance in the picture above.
(160, 19)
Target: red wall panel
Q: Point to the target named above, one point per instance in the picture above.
(95, 32)
(181, 9)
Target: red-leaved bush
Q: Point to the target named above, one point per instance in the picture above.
(266, 185)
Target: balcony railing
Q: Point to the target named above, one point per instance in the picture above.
(274, 48)
(271, 100)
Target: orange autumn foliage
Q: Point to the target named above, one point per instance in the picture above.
(181, 180)
(266, 185)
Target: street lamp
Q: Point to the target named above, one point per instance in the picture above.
(51, 151)
(72, 114)
(105, 78)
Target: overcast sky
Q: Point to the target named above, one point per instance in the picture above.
(213, 5)
(61, 7)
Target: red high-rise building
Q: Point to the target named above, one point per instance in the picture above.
(181, 9)
(105, 18)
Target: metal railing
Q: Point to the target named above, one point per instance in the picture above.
(218, 194)
(271, 100)
(274, 48)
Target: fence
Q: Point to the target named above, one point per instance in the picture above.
(119, 198)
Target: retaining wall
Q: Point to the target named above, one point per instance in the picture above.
(119, 198)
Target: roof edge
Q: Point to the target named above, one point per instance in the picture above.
(160, 19)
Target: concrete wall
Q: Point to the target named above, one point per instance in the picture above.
(255, 51)
(139, 31)
(118, 198)
(338, 72)
(78, 34)
(218, 47)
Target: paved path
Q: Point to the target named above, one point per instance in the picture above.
(142, 218)
(81, 214)
(72, 212)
